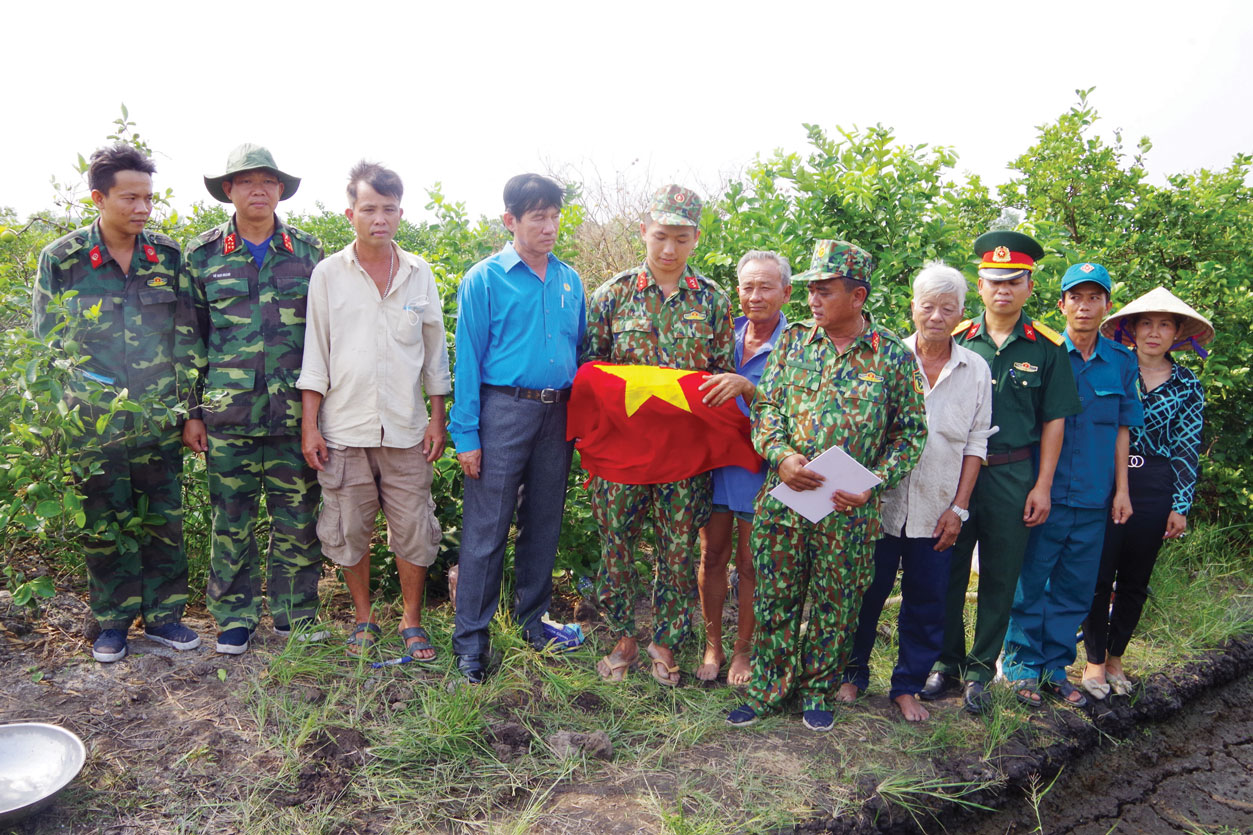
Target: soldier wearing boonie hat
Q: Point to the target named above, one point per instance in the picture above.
(1162, 472)
(1033, 391)
(661, 313)
(249, 279)
(838, 379)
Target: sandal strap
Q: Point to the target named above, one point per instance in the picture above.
(414, 632)
(372, 628)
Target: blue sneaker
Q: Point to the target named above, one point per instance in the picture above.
(173, 635)
(234, 641)
(742, 717)
(305, 629)
(110, 646)
(819, 720)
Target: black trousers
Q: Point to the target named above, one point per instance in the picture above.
(1127, 561)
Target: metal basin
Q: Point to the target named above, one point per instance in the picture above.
(36, 762)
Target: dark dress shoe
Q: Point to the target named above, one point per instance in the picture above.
(473, 667)
(977, 698)
(938, 686)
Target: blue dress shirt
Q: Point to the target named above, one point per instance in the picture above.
(513, 330)
(736, 487)
(1109, 398)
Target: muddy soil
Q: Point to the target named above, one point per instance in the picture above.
(1192, 773)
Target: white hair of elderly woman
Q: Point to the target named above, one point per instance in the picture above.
(785, 269)
(938, 280)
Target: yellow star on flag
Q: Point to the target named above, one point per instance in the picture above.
(645, 381)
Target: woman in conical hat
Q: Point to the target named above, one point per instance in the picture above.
(1162, 474)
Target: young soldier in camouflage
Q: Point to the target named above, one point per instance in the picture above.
(249, 280)
(837, 380)
(134, 280)
(662, 313)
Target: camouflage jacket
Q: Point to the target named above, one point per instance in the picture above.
(867, 400)
(251, 327)
(630, 323)
(144, 317)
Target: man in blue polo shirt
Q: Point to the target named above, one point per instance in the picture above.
(1060, 567)
(521, 321)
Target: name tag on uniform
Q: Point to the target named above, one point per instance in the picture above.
(226, 274)
(1026, 366)
(870, 377)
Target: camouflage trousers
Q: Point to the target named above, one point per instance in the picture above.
(679, 511)
(147, 577)
(790, 562)
(241, 468)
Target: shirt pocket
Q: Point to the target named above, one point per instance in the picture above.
(406, 323)
(157, 309)
(634, 342)
(293, 296)
(230, 303)
(1104, 405)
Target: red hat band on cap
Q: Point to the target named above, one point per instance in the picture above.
(1003, 258)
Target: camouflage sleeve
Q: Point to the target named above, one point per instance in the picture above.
(722, 355)
(906, 431)
(47, 285)
(598, 343)
(193, 355)
(188, 351)
(770, 424)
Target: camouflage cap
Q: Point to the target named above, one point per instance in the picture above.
(838, 259)
(250, 157)
(674, 205)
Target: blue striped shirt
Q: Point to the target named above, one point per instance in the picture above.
(1172, 429)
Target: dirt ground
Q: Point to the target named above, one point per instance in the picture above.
(168, 731)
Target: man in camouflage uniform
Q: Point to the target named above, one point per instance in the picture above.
(661, 313)
(249, 280)
(1033, 392)
(132, 279)
(837, 380)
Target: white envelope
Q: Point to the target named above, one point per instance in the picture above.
(842, 472)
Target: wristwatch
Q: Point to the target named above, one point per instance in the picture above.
(962, 513)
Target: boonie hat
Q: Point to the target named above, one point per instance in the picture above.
(1196, 332)
(1005, 255)
(674, 205)
(1087, 271)
(250, 157)
(837, 259)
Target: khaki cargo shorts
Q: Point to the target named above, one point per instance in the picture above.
(358, 481)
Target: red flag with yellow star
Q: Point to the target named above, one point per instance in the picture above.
(642, 424)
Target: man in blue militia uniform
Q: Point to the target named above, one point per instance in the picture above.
(1033, 390)
(1059, 571)
(132, 279)
(521, 320)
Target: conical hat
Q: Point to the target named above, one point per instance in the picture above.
(1160, 300)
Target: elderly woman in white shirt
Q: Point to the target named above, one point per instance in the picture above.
(924, 513)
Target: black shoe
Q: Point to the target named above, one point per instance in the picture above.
(473, 667)
(938, 686)
(977, 698)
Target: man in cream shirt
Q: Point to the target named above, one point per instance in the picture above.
(374, 340)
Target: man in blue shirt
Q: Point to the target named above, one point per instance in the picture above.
(1060, 567)
(521, 320)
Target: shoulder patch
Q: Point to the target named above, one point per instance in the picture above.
(963, 326)
(1047, 332)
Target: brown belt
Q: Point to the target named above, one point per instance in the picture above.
(999, 458)
(542, 395)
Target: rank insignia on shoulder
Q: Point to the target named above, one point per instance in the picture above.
(971, 328)
(870, 377)
(874, 345)
(150, 252)
(1044, 331)
(158, 281)
(693, 316)
(287, 242)
(230, 244)
(692, 283)
(641, 281)
(1026, 366)
(96, 258)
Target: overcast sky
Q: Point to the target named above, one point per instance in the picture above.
(469, 94)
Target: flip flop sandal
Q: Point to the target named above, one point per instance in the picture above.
(1031, 687)
(613, 671)
(666, 670)
(362, 638)
(1062, 691)
(423, 643)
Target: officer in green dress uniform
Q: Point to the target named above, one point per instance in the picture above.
(1033, 393)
